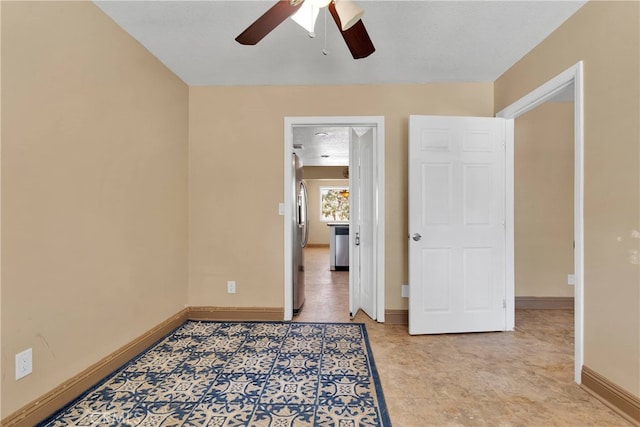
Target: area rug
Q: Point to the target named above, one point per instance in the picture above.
(241, 374)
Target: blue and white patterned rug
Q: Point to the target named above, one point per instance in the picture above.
(241, 374)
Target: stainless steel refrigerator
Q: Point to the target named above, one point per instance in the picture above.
(300, 234)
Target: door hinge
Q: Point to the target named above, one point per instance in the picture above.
(504, 303)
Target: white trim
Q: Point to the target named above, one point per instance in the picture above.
(541, 94)
(378, 123)
(288, 233)
(510, 278)
(536, 97)
(379, 161)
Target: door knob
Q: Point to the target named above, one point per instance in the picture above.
(416, 236)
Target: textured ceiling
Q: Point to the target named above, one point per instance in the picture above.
(323, 145)
(416, 41)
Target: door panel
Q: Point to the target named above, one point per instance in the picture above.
(367, 224)
(476, 278)
(436, 182)
(457, 263)
(477, 197)
(437, 263)
(355, 298)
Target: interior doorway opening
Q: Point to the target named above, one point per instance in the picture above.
(356, 126)
(326, 291)
(571, 81)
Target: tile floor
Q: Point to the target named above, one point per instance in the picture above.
(520, 378)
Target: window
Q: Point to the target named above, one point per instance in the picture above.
(334, 204)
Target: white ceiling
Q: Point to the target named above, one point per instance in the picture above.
(324, 145)
(416, 41)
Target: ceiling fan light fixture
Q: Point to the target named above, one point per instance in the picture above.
(355, 36)
(349, 13)
(306, 16)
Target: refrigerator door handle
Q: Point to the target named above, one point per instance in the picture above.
(306, 214)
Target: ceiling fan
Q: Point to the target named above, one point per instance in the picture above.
(345, 13)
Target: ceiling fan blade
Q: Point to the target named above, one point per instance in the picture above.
(267, 22)
(356, 37)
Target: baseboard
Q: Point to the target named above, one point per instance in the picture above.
(236, 313)
(396, 317)
(49, 403)
(619, 400)
(65, 393)
(544, 303)
(401, 317)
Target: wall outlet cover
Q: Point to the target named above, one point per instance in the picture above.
(405, 291)
(24, 363)
(231, 287)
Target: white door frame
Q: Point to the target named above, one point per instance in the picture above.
(573, 75)
(374, 121)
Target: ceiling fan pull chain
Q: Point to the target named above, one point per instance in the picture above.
(325, 51)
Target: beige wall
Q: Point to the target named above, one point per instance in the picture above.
(324, 172)
(315, 177)
(319, 231)
(606, 36)
(95, 196)
(543, 158)
(236, 175)
(94, 192)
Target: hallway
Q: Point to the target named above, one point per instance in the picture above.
(326, 291)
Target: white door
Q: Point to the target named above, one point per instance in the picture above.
(362, 270)
(457, 268)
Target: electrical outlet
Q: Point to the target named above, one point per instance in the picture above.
(405, 291)
(231, 287)
(24, 363)
(280, 208)
(571, 279)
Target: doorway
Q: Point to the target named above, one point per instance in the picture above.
(571, 80)
(374, 269)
